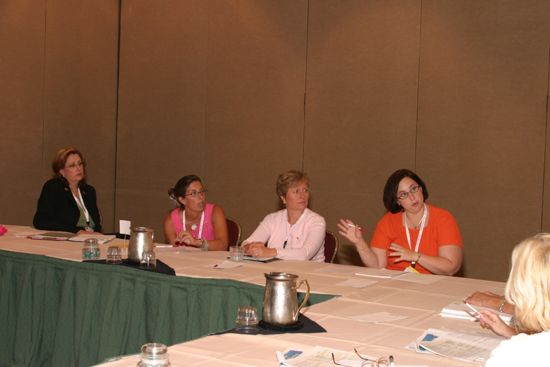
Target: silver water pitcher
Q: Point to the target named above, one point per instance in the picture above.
(280, 307)
(141, 239)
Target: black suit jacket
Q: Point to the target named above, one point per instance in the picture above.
(57, 209)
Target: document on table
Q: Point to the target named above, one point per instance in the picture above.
(101, 238)
(459, 310)
(357, 283)
(418, 278)
(470, 347)
(379, 273)
(68, 236)
(322, 357)
(377, 317)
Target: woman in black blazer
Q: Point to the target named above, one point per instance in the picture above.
(67, 203)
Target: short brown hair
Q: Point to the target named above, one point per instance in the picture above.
(60, 159)
(289, 178)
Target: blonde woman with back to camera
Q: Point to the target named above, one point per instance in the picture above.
(294, 233)
(528, 289)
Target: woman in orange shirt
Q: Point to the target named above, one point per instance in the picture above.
(413, 235)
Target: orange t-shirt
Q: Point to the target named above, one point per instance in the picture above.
(440, 230)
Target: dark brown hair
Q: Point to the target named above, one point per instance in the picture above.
(181, 187)
(392, 184)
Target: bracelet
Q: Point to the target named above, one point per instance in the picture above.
(501, 305)
(204, 246)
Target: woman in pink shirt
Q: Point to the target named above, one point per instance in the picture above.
(294, 233)
(195, 222)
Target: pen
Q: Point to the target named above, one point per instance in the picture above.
(354, 225)
(473, 309)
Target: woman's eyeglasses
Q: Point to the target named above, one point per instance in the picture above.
(368, 362)
(75, 165)
(405, 194)
(196, 194)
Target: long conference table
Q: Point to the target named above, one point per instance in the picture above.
(57, 310)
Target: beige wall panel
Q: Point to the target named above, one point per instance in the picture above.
(482, 116)
(255, 111)
(161, 130)
(546, 193)
(21, 81)
(80, 90)
(361, 106)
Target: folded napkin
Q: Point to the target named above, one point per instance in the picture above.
(160, 268)
(305, 325)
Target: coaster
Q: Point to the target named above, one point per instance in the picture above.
(294, 326)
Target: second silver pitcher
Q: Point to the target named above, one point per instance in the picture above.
(280, 305)
(141, 239)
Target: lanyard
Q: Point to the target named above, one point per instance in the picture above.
(200, 226)
(81, 206)
(419, 238)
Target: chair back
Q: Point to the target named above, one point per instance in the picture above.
(233, 232)
(331, 246)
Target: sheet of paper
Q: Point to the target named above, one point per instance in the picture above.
(418, 278)
(101, 238)
(124, 227)
(459, 310)
(226, 264)
(322, 357)
(357, 282)
(379, 273)
(379, 317)
(471, 347)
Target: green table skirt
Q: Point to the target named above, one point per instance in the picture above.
(63, 313)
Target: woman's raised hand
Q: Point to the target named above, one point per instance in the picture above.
(350, 230)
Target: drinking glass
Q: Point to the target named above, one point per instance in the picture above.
(90, 250)
(148, 260)
(247, 319)
(154, 355)
(114, 255)
(235, 253)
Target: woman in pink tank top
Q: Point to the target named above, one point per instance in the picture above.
(195, 222)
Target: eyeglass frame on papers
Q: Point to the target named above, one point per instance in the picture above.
(367, 362)
(405, 194)
(196, 194)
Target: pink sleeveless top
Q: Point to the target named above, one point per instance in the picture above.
(207, 227)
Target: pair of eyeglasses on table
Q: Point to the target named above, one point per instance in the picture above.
(367, 362)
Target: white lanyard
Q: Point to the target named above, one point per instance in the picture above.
(200, 226)
(80, 204)
(419, 238)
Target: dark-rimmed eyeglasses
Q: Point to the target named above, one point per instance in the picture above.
(368, 362)
(402, 195)
(196, 194)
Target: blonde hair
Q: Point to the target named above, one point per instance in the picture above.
(287, 179)
(528, 286)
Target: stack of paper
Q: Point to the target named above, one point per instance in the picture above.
(459, 310)
(471, 347)
(101, 238)
(67, 236)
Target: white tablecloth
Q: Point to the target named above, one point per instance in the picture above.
(417, 300)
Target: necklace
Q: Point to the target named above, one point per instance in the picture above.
(193, 226)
